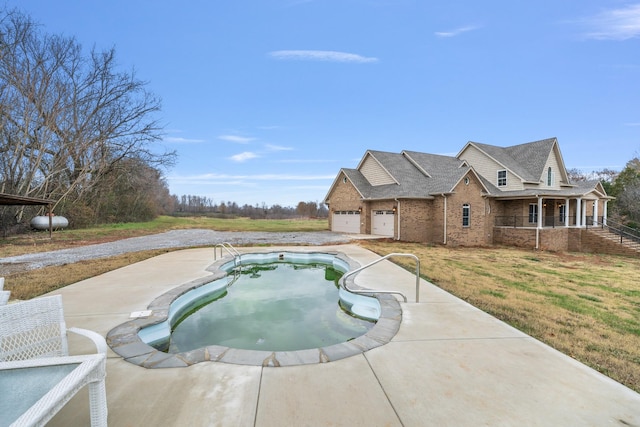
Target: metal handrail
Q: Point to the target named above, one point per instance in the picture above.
(371, 291)
(232, 251)
(620, 229)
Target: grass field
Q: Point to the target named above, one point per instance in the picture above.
(585, 305)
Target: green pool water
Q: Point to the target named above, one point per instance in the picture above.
(275, 307)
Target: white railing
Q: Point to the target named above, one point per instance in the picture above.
(371, 291)
(230, 249)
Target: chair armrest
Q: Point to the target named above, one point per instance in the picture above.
(97, 339)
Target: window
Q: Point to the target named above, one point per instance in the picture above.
(549, 177)
(502, 178)
(563, 213)
(533, 213)
(466, 215)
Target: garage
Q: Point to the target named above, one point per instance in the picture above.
(382, 223)
(346, 222)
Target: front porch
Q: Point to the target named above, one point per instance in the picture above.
(540, 212)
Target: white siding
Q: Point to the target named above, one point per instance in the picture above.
(488, 168)
(375, 174)
(552, 162)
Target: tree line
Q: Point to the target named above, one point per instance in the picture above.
(198, 205)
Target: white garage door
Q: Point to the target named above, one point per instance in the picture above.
(346, 222)
(382, 223)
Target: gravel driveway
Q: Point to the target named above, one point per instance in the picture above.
(169, 239)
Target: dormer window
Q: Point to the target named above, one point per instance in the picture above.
(502, 178)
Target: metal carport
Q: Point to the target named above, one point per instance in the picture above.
(13, 200)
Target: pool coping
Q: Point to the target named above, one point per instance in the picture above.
(125, 341)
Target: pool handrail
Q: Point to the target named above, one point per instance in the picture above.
(343, 279)
(232, 251)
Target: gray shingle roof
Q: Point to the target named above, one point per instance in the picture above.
(525, 160)
(444, 171)
(410, 179)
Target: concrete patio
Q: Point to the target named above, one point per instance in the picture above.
(449, 364)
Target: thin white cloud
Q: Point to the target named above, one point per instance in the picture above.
(178, 140)
(272, 147)
(244, 156)
(614, 24)
(236, 138)
(321, 55)
(456, 32)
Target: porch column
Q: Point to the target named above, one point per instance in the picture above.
(566, 212)
(539, 212)
(578, 211)
(604, 214)
(595, 212)
(583, 221)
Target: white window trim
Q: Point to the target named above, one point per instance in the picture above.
(551, 177)
(503, 179)
(466, 207)
(533, 213)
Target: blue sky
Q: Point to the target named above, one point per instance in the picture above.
(266, 100)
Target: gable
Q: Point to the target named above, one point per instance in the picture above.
(532, 165)
(488, 167)
(552, 175)
(374, 172)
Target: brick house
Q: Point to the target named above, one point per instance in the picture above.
(518, 195)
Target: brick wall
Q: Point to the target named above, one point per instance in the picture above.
(519, 237)
(414, 217)
(476, 233)
(436, 221)
(554, 239)
(344, 197)
(593, 243)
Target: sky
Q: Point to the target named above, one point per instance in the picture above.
(265, 101)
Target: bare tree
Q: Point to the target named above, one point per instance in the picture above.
(68, 119)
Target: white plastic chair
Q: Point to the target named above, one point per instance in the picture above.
(33, 334)
(4, 295)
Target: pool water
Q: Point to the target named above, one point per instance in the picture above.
(279, 306)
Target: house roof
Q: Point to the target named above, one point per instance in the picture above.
(525, 160)
(408, 179)
(444, 171)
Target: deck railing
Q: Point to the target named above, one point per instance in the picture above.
(531, 221)
(621, 230)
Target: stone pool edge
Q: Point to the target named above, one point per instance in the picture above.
(125, 342)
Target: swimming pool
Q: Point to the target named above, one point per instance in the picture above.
(205, 329)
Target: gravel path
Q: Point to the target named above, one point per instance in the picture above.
(169, 239)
